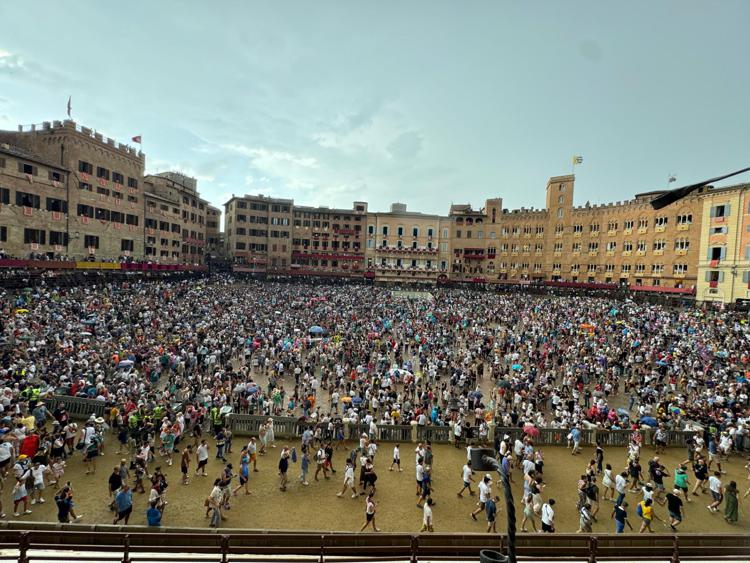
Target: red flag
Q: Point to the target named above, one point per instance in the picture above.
(137, 139)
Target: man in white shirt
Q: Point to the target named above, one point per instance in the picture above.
(717, 491)
(427, 516)
(621, 484)
(466, 475)
(485, 492)
(548, 516)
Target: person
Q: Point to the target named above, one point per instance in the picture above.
(94, 448)
(427, 517)
(320, 460)
(548, 516)
(468, 479)
(213, 504)
(153, 514)
(731, 504)
(608, 483)
(252, 452)
(244, 475)
(124, 504)
(485, 492)
(370, 508)
(396, 459)
(717, 490)
(674, 508)
(304, 466)
(528, 512)
(201, 457)
(490, 508)
(64, 502)
(585, 519)
(283, 468)
(645, 510)
(115, 482)
(348, 480)
(620, 515)
(20, 495)
(38, 472)
(621, 485)
(185, 458)
(681, 482)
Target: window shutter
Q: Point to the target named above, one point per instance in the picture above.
(745, 276)
(727, 209)
(747, 252)
(721, 276)
(708, 255)
(707, 276)
(713, 211)
(724, 253)
(34, 171)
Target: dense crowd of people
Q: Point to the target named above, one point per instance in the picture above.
(169, 360)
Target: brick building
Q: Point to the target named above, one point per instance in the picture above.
(259, 233)
(104, 188)
(175, 219)
(33, 205)
(214, 244)
(329, 241)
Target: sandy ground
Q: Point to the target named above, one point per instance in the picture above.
(317, 507)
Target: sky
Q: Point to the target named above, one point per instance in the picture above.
(425, 102)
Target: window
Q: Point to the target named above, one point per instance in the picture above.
(85, 211)
(660, 244)
(3, 233)
(58, 238)
(85, 186)
(445, 233)
(430, 232)
(657, 268)
(720, 230)
(117, 217)
(680, 269)
(91, 241)
(721, 210)
(102, 172)
(560, 213)
(628, 224)
(443, 247)
(54, 204)
(400, 231)
(370, 229)
(594, 228)
(593, 247)
(561, 200)
(118, 178)
(641, 247)
(627, 246)
(612, 226)
(661, 221)
(133, 183)
(559, 229)
(643, 223)
(558, 247)
(458, 234)
(239, 246)
(576, 247)
(34, 236)
(640, 268)
(625, 268)
(102, 214)
(577, 228)
(384, 230)
(4, 196)
(685, 219)
(611, 246)
(682, 244)
(24, 199)
(54, 176)
(415, 231)
(132, 220)
(126, 245)
(85, 167)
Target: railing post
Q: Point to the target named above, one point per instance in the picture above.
(593, 544)
(675, 550)
(23, 548)
(224, 548)
(126, 549)
(414, 549)
(322, 549)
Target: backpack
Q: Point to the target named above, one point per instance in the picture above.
(639, 509)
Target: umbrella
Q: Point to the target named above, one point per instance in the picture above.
(346, 399)
(125, 364)
(587, 326)
(517, 367)
(85, 333)
(356, 400)
(531, 430)
(226, 409)
(661, 363)
(623, 412)
(315, 329)
(21, 311)
(649, 421)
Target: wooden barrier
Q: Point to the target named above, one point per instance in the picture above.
(24, 542)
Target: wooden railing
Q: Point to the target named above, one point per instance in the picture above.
(139, 543)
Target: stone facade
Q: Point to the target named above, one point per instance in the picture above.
(104, 189)
(33, 205)
(175, 219)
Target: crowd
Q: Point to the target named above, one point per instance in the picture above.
(169, 360)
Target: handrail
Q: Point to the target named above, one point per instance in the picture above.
(126, 543)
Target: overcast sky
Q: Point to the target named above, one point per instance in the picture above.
(424, 102)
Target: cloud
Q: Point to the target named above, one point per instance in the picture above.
(406, 146)
(265, 158)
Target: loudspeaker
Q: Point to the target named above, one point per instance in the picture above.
(477, 459)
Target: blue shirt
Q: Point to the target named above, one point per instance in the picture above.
(153, 516)
(491, 509)
(124, 500)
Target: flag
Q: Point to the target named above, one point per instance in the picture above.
(577, 160)
(70, 99)
(137, 139)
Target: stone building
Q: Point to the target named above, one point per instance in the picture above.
(407, 246)
(175, 219)
(33, 205)
(723, 260)
(259, 233)
(104, 187)
(214, 245)
(329, 242)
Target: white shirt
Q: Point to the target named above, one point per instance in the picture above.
(420, 473)
(202, 452)
(396, 453)
(485, 491)
(620, 483)
(349, 474)
(427, 515)
(6, 450)
(714, 484)
(466, 474)
(38, 474)
(548, 514)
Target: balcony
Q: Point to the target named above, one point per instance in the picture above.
(681, 251)
(612, 233)
(346, 232)
(627, 252)
(577, 234)
(594, 234)
(658, 252)
(642, 230)
(683, 227)
(640, 253)
(628, 231)
(610, 252)
(660, 228)
(713, 264)
(713, 284)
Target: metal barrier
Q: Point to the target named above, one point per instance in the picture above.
(78, 408)
(125, 544)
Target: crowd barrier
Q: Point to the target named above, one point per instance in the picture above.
(139, 543)
(289, 427)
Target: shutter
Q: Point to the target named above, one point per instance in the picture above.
(727, 209)
(721, 277)
(746, 276)
(20, 166)
(708, 255)
(713, 211)
(747, 252)
(708, 276)
(34, 171)
(723, 253)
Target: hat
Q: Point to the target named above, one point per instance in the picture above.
(487, 476)
(99, 420)
(22, 456)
